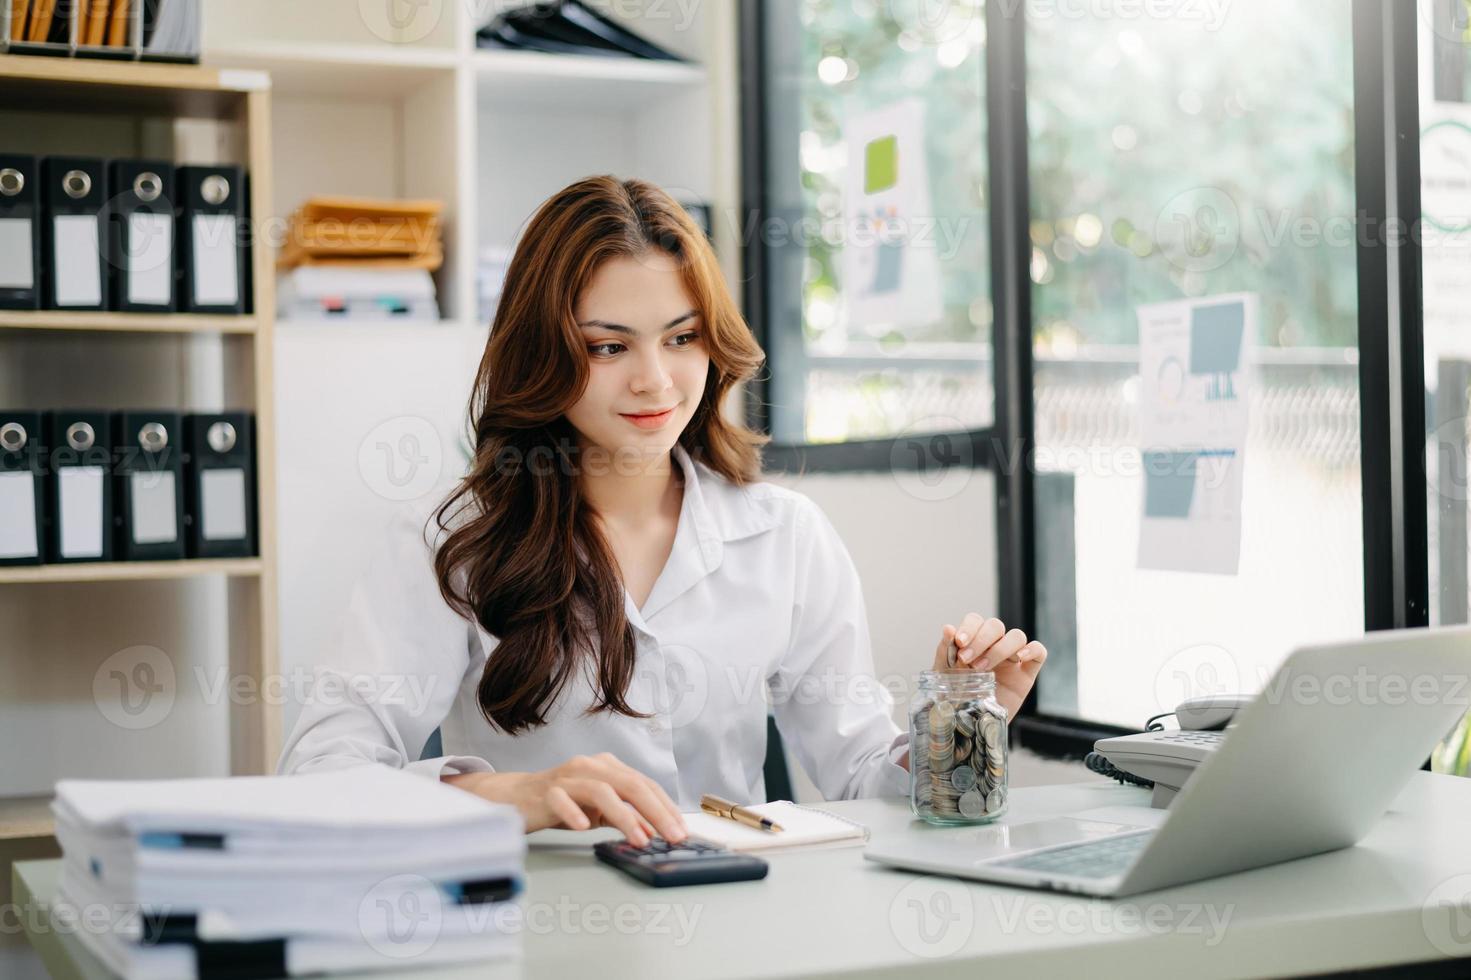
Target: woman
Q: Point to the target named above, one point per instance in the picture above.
(609, 598)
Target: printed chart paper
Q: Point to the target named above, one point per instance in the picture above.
(1192, 426)
(891, 267)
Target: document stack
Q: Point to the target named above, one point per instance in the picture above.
(267, 876)
(361, 259)
(567, 27)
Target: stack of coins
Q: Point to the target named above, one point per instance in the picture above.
(942, 756)
(957, 753)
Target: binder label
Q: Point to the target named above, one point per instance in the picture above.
(216, 272)
(153, 508)
(15, 254)
(222, 498)
(80, 497)
(150, 258)
(18, 537)
(78, 272)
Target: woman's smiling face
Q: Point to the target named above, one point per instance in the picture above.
(647, 361)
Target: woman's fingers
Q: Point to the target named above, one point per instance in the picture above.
(974, 636)
(1005, 648)
(598, 797)
(634, 787)
(968, 628)
(983, 636)
(565, 810)
(669, 805)
(1031, 657)
(647, 796)
(649, 806)
(947, 633)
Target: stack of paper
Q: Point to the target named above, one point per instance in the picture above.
(362, 258)
(331, 292)
(353, 869)
(567, 27)
(171, 28)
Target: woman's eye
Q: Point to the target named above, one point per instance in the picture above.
(688, 338)
(604, 350)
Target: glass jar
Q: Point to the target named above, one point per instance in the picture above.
(957, 748)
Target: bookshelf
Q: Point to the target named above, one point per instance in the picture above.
(68, 619)
(416, 110)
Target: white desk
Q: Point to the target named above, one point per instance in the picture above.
(833, 912)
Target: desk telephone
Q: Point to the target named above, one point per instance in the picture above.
(1165, 758)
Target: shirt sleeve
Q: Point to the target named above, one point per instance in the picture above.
(394, 677)
(827, 702)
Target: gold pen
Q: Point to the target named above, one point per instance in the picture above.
(719, 807)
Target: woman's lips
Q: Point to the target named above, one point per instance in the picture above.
(651, 421)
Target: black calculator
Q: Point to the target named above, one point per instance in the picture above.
(690, 862)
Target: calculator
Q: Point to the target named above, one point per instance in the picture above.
(692, 861)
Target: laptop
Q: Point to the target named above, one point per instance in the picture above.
(1312, 762)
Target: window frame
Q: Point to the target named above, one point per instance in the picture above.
(1390, 327)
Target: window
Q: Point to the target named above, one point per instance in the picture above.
(1209, 211)
(1445, 140)
(1217, 160)
(877, 302)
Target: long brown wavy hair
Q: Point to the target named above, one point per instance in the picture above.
(524, 556)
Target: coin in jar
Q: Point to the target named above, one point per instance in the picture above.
(971, 805)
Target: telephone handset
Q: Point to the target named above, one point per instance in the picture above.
(1167, 757)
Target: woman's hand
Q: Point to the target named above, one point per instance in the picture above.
(583, 792)
(986, 644)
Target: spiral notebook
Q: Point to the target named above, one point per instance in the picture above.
(802, 826)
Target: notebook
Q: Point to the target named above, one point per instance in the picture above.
(802, 826)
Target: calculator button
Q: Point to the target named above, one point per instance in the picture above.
(683, 852)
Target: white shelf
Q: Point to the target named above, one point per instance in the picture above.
(517, 78)
(378, 326)
(529, 78)
(351, 70)
(129, 571)
(128, 322)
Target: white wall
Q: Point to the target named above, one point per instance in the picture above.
(371, 417)
(924, 562)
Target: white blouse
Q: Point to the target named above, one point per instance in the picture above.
(759, 609)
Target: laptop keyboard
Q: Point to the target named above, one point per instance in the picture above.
(1102, 858)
